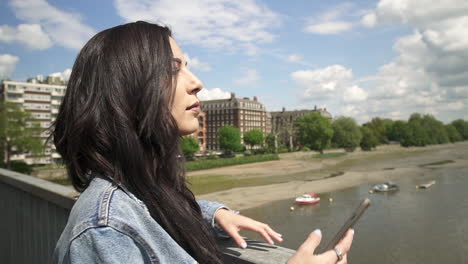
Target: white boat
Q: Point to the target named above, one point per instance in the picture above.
(308, 198)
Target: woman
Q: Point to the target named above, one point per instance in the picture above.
(129, 99)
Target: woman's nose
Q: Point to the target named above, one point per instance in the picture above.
(196, 84)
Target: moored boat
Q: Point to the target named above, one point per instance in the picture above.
(307, 198)
(385, 187)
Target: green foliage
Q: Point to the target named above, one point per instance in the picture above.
(283, 149)
(17, 135)
(270, 143)
(254, 137)
(305, 148)
(462, 127)
(189, 146)
(369, 141)
(229, 139)
(209, 164)
(452, 133)
(424, 130)
(314, 131)
(21, 167)
(380, 127)
(394, 134)
(435, 130)
(346, 133)
(414, 134)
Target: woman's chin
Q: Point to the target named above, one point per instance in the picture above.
(187, 130)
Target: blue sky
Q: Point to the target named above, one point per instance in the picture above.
(362, 59)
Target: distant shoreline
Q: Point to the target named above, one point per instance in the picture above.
(386, 163)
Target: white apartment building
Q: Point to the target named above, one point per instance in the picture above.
(42, 101)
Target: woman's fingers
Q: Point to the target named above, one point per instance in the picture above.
(234, 234)
(265, 231)
(277, 236)
(343, 246)
(344, 260)
(312, 241)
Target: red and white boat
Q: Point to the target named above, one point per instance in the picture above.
(307, 198)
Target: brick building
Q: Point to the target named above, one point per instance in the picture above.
(243, 113)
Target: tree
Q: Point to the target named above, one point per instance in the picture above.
(395, 131)
(17, 134)
(229, 139)
(314, 131)
(452, 133)
(189, 146)
(253, 137)
(369, 140)
(270, 142)
(346, 133)
(381, 128)
(462, 127)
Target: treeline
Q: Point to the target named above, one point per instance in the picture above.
(318, 133)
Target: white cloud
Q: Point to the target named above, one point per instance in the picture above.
(329, 27)
(354, 94)
(231, 25)
(7, 65)
(63, 28)
(30, 35)
(294, 58)
(213, 94)
(65, 75)
(196, 64)
(331, 22)
(250, 77)
(457, 105)
(430, 72)
(324, 82)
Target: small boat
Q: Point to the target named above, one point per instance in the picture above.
(307, 198)
(425, 185)
(385, 187)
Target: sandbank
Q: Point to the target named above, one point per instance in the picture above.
(388, 162)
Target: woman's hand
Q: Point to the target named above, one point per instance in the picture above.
(305, 253)
(232, 223)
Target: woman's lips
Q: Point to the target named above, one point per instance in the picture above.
(195, 109)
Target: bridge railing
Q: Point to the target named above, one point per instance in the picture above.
(34, 213)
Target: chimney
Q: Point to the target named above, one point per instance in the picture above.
(284, 109)
(233, 95)
(255, 98)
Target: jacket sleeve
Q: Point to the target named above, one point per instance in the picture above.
(105, 245)
(209, 209)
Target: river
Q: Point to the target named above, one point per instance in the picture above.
(408, 226)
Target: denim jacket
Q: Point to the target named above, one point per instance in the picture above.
(108, 224)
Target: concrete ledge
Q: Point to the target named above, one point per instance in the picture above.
(55, 193)
(256, 252)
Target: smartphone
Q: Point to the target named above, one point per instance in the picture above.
(348, 224)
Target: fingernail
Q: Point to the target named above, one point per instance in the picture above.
(352, 231)
(318, 232)
(280, 239)
(243, 245)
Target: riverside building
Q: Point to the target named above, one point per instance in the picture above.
(42, 101)
(244, 113)
(282, 123)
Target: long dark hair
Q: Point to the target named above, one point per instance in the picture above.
(115, 119)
